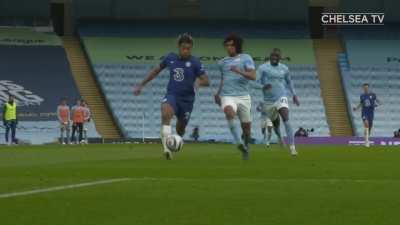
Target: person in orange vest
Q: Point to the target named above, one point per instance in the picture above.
(78, 119)
(63, 114)
(10, 119)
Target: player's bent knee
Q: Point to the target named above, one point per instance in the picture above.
(229, 112)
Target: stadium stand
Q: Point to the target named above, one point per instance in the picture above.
(38, 74)
(326, 51)
(202, 28)
(374, 62)
(129, 59)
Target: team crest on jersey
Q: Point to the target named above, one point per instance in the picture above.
(179, 74)
(188, 64)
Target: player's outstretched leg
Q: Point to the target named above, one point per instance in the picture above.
(263, 132)
(181, 127)
(230, 118)
(268, 138)
(246, 128)
(284, 112)
(367, 130)
(167, 112)
(277, 130)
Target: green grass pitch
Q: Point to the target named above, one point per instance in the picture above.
(205, 184)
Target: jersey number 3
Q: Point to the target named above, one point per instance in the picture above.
(179, 74)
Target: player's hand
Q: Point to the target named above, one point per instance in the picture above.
(217, 100)
(235, 70)
(137, 90)
(296, 100)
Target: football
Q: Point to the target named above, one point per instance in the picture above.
(174, 143)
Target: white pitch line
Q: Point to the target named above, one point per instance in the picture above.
(63, 187)
(183, 179)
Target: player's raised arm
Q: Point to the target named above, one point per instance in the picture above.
(149, 77)
(290, 86)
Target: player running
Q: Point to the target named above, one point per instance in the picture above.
(368, 102)
(63, 115)
(185, 71)
(233, 96)
(274, 79)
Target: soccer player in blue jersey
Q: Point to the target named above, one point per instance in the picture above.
(274, 79)
(368, 102)
(233, 96)
(185, 71)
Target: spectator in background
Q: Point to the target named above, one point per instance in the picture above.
(88, 116)
(195, 134)
(10, 119)
(396, 134)
(78, 119)
(63, 114)
(301, 132)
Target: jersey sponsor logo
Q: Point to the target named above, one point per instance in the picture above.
(188, 64)
(179, 74)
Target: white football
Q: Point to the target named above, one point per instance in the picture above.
(174, 143)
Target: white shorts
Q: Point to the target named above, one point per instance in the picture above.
(265, 122)
(272, 109)
(240, 104)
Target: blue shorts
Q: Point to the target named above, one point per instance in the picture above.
(368, 117)
(182, 107)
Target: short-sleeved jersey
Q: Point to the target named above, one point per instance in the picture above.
(63, 113)
(368, 102)
(78, 114)
(235, 84)
(279, 79)
(183, 74)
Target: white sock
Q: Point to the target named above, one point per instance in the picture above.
(165, 131)
(366, 133)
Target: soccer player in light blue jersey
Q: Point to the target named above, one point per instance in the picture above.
(274, 79)
(237, 69)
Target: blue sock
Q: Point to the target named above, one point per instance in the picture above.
(289, 132)
(234, 131)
